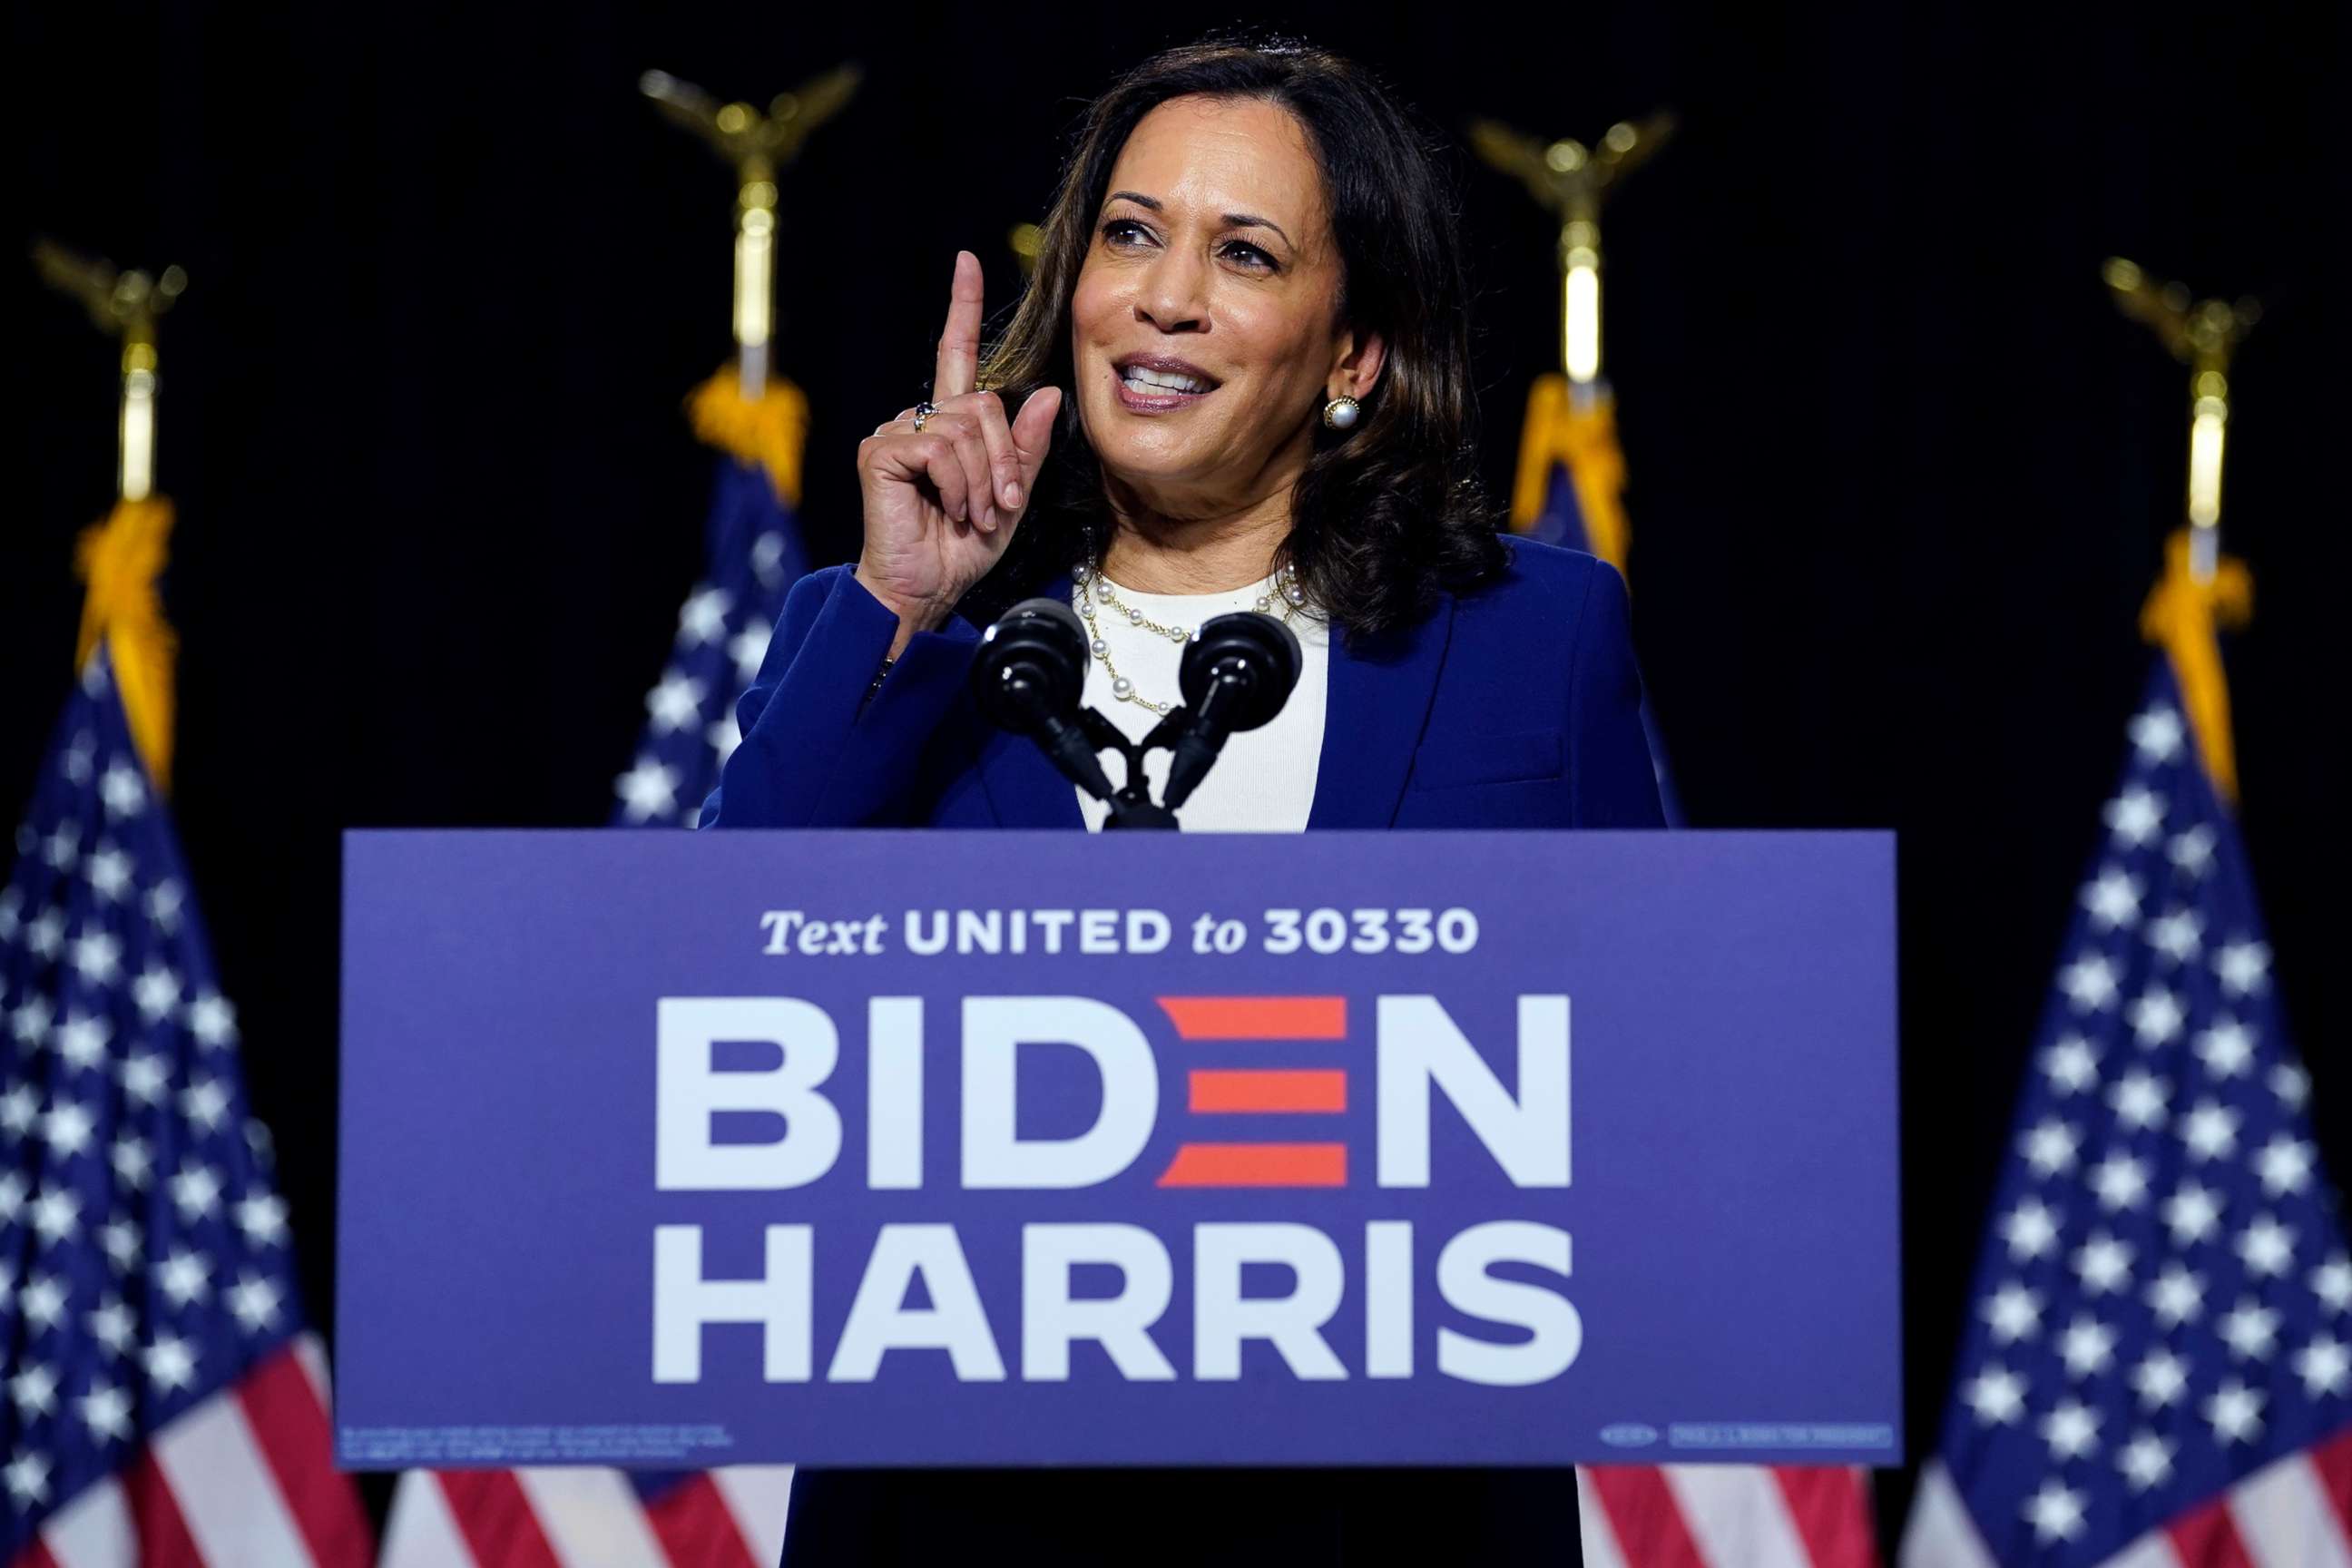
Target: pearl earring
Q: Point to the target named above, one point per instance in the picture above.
(1340, 413)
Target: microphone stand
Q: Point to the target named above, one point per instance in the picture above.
(1132, 805)
(1030, 673)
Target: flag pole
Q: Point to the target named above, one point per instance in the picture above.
(756, 145)
(121, 558)
(1570, 180)
(1025, 240)
(2201, 591)
(2203, 335)
(125, 305)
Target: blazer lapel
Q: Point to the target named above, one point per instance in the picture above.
(1377, 705)
(1022, 787)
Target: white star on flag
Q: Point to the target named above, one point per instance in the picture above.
(2148, 1461)
(2120, 1181)
(2090, 983)
(2104, 1264)
(2014, 1312)
(122, 791)
(704, 618)
(2267, 1246)
(2235, 1412)
(2051, 1148)
(2177, 1296)
(2211, 1131)
(2176, 936)
(748, 649)
(35, 1390)
(1998, 1397)
(2193, 1213)
(2030, 1230)
(2055, 1512)
(81, 1041)
(648, 791)
(2087, 1347)
(97, 956)
(184, 1279)
(676, 703)
(2324, 1366)
(2112, 901)
(67, 1129)
(156, 992)
(2156, 735)
(109, 873)
(27, 1479)
(2192, 852)
(2332, 1284)
(2250, 1330)
(2226, 1048)
(2243, 967)
(2072, 1065)
(2071, 1430)
(212, 1020)
(105, 1410)
(171, 1364)
(2156, 1016)
(55, 1214)
(2136, 817)
(42, 1301)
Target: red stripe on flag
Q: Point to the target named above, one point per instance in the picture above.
(496, 1520)
(2207, 1537)
(2333, 1461)
(695, 1528)
(1257, 1017)
(1266, 1089)
(1258, 1165)
(1831, 1506)
(34, 1555)
(1643, 1516)
(163, 1538)
(290, 1427)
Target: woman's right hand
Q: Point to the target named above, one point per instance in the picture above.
(942, 502)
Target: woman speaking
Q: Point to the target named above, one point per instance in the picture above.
(1240, 379)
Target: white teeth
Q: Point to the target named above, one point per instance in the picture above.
(1165, 380)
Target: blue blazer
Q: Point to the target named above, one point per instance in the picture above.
(1517, 705)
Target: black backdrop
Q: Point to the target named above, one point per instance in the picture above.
(1900, 472)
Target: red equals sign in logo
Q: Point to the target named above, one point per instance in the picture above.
(1260, 1091)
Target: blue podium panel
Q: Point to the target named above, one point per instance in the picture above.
(669, 1149)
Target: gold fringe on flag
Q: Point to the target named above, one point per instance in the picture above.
(120, 560)
(1584, 441)
(770, 431)
(2185, 617)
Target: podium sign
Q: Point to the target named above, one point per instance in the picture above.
(675, 1149)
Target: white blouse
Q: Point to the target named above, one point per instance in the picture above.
(1264, 780)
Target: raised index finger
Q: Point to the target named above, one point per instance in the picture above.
(959, 366)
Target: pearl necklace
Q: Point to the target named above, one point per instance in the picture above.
(1090, 586)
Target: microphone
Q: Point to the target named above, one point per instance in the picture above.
(1236, 675)
(1027, 678)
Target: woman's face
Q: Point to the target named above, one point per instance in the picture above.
(1203, 327)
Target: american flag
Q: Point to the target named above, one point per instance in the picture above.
(588, 1517)
(722, 635)
(164, 1401)
(2156, 1369)
(579, 1516)
(1571, 475)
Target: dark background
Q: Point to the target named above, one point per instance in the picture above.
(1900, 471)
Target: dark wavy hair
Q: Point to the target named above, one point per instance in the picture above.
(1385, 514)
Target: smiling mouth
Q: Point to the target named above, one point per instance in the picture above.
(1158, 383)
